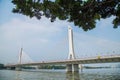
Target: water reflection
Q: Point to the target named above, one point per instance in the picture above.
(88, 74)
(72, 76)
(18, 75)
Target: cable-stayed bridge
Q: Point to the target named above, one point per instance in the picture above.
(72, 62)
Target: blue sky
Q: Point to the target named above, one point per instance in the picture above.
(43, 40)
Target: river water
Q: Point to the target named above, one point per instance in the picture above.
(87, 74)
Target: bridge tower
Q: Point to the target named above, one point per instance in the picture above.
(18, 68)
(20, 56)
(71, 56)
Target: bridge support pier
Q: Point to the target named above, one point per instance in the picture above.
(81, 68)
(75, 68)
(69, 68)
(18, 68)
(72, 68)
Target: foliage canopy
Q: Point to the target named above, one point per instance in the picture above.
(82, 13)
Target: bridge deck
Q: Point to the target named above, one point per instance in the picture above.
(75, 61)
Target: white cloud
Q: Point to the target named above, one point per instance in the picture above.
(27, 27)
(30, 29)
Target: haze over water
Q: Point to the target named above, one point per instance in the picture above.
(87, 74)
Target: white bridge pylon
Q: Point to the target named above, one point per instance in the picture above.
(24, 58)
(71, 55)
